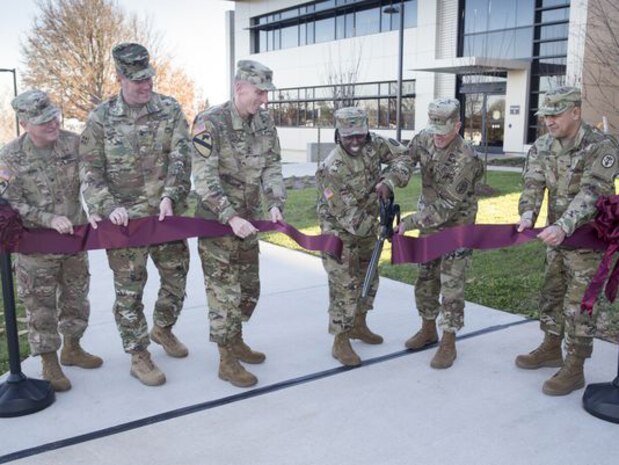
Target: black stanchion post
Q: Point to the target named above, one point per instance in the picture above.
(19, 395)
(602, 399)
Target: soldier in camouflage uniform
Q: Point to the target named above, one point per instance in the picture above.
(236, 161)
(350, 181)
(450, 170)
(135, 162)
(41, 167)
(575, 164)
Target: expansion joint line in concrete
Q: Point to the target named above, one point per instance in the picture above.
(160, 417)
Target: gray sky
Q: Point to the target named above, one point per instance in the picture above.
(193, 31)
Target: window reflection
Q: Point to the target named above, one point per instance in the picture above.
(325, 30)
(522, 29)
(346, 18)
(554, 32)
(553, 48)
(289, 37)
(367, 22)
(547, 3)
(562, 14)
(314, 106)
(525, 12)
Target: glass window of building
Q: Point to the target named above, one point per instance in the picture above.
(549, 3)
(496, 28)
(325, 30)
(534, 30)
(367, 21)
(410, 15)
(289, 37)
(344, 26)
(314, 106)
(324, 21)
(560, 14)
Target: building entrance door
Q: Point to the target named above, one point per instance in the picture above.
(483, 99)
(484, 120)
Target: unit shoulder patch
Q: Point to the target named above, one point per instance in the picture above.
(608, 160)
(203, 144)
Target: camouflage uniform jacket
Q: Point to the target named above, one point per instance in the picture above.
(242, 162)
(134, 162)
(574, 178)
(348, 201)
(448, 178)
(42, 188)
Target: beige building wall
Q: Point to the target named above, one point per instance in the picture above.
(600, 64)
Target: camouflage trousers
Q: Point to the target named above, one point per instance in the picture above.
(346, 282)
(232, 282)
(129, 267)
(54, 291)
(444, 276)
(567, 274)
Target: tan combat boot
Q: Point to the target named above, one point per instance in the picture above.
(569, 378)
(72, 354)
(446, 353)
(548, 354)
(361, 331)
(53, 373)
(144, 369)
(170, 343)
(243, 352)
(231, 370)
(343, 352)
(425, 336)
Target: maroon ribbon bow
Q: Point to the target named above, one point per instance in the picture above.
(607, 227)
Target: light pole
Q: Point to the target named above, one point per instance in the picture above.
(390, 10)
(7, 70)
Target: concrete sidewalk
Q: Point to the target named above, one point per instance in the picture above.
(306, 408)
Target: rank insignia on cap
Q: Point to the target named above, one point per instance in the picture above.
(203, 144)
(608, 160)
(328, 193)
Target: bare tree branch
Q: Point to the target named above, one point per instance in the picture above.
(68, 54)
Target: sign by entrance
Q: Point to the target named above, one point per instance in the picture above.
(514, 109)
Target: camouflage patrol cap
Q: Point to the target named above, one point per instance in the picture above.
(351, 121)
(443, 113)
(558, 100)
(255, 73)
(34, 107)
(132, 61)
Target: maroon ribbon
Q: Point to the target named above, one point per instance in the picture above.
(141, 232)
(607, 228)
(602, 235)
(482, 237)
